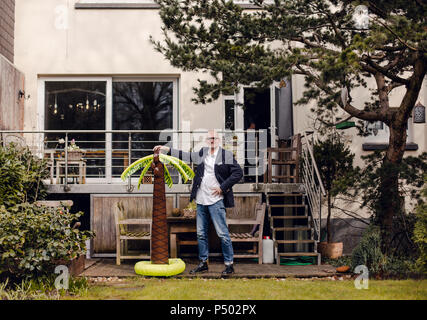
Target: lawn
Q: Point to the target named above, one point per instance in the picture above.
(271, 289)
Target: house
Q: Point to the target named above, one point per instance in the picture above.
(92, 75)
(11, 79)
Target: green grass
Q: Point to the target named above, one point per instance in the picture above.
(271, 289)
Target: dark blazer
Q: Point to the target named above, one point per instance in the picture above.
(227, 171)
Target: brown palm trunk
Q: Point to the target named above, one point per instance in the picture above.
(159, 233)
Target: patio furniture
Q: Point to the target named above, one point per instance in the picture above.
(81, 164)
(283, 163)
(55, 203)
(16, 138)
(178, 226)
(124, 232)
(49, 154)
(256, 252)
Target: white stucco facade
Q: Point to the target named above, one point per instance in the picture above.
(54, 39)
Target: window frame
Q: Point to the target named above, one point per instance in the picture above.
(108, 110)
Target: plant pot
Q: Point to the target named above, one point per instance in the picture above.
(332, 250)
(74, 155)
(189, 213)
(75, 266)
(176, 212)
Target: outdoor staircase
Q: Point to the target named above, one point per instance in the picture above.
(291, 226)
(294, 217)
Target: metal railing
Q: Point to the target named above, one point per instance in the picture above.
(312, 182)
(104, 154)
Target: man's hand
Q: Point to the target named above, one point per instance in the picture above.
(161, 148)
(216, 191)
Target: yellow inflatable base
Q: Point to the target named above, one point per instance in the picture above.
(146, 268)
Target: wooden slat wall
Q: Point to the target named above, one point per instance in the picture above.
(102, 217)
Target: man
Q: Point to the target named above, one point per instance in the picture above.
(216, 173)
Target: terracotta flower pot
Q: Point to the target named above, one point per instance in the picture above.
(332, 250)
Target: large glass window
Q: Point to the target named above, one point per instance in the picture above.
(140, 106)
(108, 104)
(77, 105)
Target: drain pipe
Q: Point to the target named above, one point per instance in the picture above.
(66, 187)
(130, 187)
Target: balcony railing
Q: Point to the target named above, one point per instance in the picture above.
(104, 154)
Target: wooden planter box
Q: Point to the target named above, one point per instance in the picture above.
(75, 266)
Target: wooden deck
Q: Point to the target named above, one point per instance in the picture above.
(108, 268)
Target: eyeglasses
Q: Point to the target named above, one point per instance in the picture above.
(212, 138)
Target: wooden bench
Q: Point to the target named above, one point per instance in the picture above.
(55, 203)
(123, 233)
(256, 251)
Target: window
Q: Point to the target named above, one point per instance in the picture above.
(379, 136)
(107, 103)
(229, 113)
(143, 105)
(77, 105)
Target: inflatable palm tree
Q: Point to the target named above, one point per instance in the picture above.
(158, 162)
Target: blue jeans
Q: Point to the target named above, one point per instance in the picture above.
(217, 213)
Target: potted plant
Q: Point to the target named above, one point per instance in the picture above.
(335, 163)
(74, 151)
(190, 210)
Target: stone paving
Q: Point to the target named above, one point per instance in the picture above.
(108, 268)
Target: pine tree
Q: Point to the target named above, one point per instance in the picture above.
(333, 44)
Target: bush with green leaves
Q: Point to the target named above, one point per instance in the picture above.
(420, 233)
(335, 162)
(21, 175)
(34, 238)
(368, 251)
(368, 188)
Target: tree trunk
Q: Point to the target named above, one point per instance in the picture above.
(159, 233)
(328, 220)
(389, 199)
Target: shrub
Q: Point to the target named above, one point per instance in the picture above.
(368, 251)
(420, 234)
(21, 175)
(335, 162)
(33, 238)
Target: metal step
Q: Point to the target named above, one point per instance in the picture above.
(289, 217)
(276, 162)
(290, 205)
(286, 195)
(294, 241)
(298, 254)
(291, 229)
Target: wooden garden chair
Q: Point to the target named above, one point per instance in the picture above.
(256, 252)
(123, 232)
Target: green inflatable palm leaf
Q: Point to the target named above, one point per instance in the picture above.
(145, 163)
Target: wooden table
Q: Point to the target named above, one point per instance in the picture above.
(179, 225)
(70, 163)
(176, 226)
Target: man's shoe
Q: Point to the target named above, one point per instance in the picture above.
(229, 270)
(202, 267)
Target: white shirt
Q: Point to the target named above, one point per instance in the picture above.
(204, 194)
